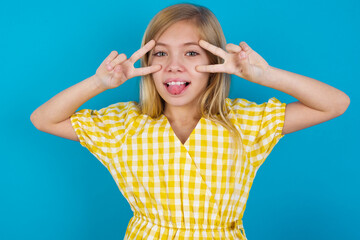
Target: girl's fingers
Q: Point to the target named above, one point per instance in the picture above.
(245, 63)
(111, 56)
(210, 68)
(245, 47)
(142, 51)
(232, 48)
(118, 60)
(213, 49)
(146, 70)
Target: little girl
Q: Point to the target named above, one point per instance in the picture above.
(185, 157)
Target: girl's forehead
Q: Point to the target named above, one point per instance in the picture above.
(178, 44)
(180, 33)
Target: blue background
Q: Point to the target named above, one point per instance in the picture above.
(52, 188)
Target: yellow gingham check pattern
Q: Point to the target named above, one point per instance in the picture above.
(182, 191)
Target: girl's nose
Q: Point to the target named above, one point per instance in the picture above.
(175, 65)
(174, 68)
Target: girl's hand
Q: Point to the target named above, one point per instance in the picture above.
(116, 69)
(240, 60)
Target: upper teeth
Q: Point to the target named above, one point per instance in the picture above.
(175, 83)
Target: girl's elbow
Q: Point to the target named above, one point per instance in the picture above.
(35, 120)
(343, 105)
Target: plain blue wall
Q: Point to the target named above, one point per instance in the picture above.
(52, 188)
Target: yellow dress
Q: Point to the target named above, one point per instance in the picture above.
(194, 190)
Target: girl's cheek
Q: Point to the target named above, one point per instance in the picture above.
(157, 60)
(157, 75)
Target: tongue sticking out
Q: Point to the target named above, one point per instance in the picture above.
(176, 89)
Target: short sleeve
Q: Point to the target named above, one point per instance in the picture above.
(261, 126)
(101, 131)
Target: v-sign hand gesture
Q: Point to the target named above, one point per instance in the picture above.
(239, 60)
(116, 69)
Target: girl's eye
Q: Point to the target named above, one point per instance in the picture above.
(159, 54)
(192, 53)
(162, 54)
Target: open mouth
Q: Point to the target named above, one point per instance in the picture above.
(176, 87)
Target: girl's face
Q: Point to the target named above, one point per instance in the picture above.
(178, 52)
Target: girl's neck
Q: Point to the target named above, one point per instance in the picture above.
(182, 114)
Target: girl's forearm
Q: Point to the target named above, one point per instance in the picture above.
(310, 92)
(65, 103)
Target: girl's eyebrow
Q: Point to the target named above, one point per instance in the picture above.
(185, 44)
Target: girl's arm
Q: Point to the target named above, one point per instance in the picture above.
(54, 116)
(318, 102)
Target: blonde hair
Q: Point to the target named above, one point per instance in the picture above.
(212, 101)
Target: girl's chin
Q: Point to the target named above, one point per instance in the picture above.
(180, 102)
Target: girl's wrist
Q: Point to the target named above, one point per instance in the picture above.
(97, 84)
(270, 78)
(262, 76)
